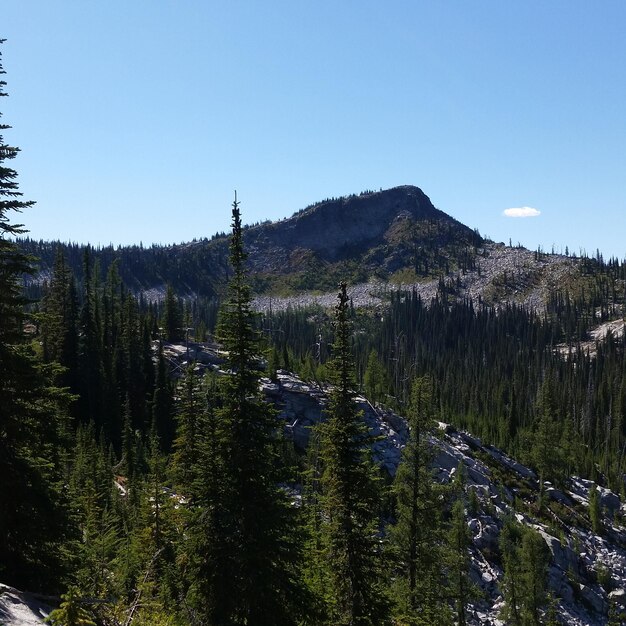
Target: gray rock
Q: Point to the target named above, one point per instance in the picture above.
(18, 608)
(563, 556)
(593, 599)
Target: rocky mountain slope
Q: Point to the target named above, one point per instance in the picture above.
(500, 275)
(587, 571)
(359, 237)
(377, 233)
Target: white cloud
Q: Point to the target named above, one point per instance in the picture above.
(524, 211)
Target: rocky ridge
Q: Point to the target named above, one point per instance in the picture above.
(503, 275)
(587, 571)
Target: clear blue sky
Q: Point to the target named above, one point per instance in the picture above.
(138, 119)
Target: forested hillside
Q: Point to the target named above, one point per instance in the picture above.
(159, 464)
(392, 234)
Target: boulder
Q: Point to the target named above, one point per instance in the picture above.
(593, 599)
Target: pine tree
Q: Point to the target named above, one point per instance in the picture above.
(172, 317)
(545, 455)
(595, 511)
(70, 613)
(375, 378)
(534, 556)
(186, 458)
(510, 539)
(273, 364)
(350, 496)
(162, 406)
(59, 330)
(525, 557)
(33, 421)
(152, 544)
(245, 550)
(417, 534)
(459, 541)
(89, 349)
(552, 613)
(100, 543)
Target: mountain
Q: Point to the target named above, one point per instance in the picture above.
(376, 241)
(521, 393)
(371, 235)
(386, 235)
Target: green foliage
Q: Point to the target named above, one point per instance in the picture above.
(375, 380)
(617, 617)
(162, 405)
(459, 541)
(172, 317)
(546, 457)
(60, 311)
(417, 535)
(186, 457)
(525, 557)
(273, 364)
(70, 613)
(551, 618)
(595, 511)
(244, 555)
(349, 545)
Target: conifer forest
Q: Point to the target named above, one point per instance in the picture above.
(141, 484)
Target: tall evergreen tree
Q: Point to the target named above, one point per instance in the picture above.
(350, 496)
(510, 540)
(89, 350)
(525, 557)
(59, 330)
(33, 522)
(162, 409)
(459, 541)
(417, 534)
(245, 550)
(375, 378)
(172, 316)
(545, 454)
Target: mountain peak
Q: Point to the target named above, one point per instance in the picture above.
(359, 236)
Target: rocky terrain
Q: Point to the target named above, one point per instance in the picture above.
(503, 274)
(587, 571)
(18, 608)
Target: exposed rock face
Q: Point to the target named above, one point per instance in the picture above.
(335, 228)
(18, 608)
(376, 233)
(302, 406)
(580, 560)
